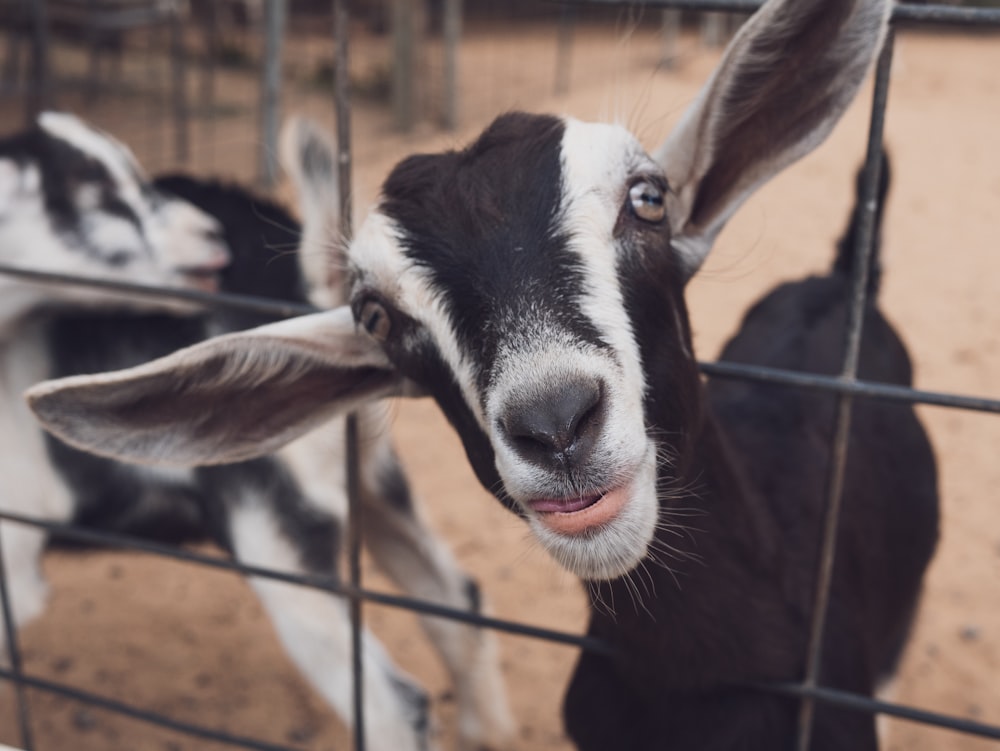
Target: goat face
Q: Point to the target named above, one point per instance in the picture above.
(533, 285)
(505, 292)
(74, 199)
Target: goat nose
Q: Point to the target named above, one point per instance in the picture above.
(557, 428)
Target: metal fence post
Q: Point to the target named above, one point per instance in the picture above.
(845, 402)
(342, 103)
(270, 101)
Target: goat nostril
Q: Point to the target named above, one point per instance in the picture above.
(557, 426)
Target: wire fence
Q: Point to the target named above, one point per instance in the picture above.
(846, 386)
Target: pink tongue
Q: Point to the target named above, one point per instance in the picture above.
(563, 505)
(580, 516)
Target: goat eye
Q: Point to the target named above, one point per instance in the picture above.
(375, 319)
(646, 200)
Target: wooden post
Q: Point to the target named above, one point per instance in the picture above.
(564, 48)
(452, 37)
(403, 63)
(40, 93)
(178, 59)
(671, 34)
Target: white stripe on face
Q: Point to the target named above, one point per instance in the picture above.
(115, 156)
(598, 161)
(379, 262)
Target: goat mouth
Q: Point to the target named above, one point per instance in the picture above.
(577, 516)
(205, 279)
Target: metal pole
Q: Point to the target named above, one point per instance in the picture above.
(270, 100)
(845, 402)
(342, 103)
(452, 37)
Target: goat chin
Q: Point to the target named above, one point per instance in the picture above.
(614, 547)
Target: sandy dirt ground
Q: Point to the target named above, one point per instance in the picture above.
(195, 643)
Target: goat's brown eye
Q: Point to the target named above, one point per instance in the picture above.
(646, 200)
(375, 319)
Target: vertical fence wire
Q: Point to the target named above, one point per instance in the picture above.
(845, 402)
(270, 99)
(342, 103)
(20, 693)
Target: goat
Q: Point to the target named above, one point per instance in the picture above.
(283, 511)
(533, 284)
(74, 200)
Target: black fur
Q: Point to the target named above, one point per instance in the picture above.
(520, 268)
(740, 613)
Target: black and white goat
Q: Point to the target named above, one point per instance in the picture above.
(74, 200)
(533, 284)
(283, 511)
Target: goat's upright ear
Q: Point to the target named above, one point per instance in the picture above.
(308, 155)
(227, 399)
(783, 83)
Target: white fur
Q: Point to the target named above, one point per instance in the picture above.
(112, 153)
(31, 486)
(315, 630)
(173, 236)
(377, 252)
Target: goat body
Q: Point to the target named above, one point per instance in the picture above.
(533, 284)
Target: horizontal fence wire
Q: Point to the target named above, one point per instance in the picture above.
(69, 531)
(869, 389)
(222, 300)
(336, 588)
(902, 14)
(721, 369)
(860, 703)
(137, 713)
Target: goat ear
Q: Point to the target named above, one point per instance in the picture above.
(224, 400)
(308, 155)
(783, 83)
